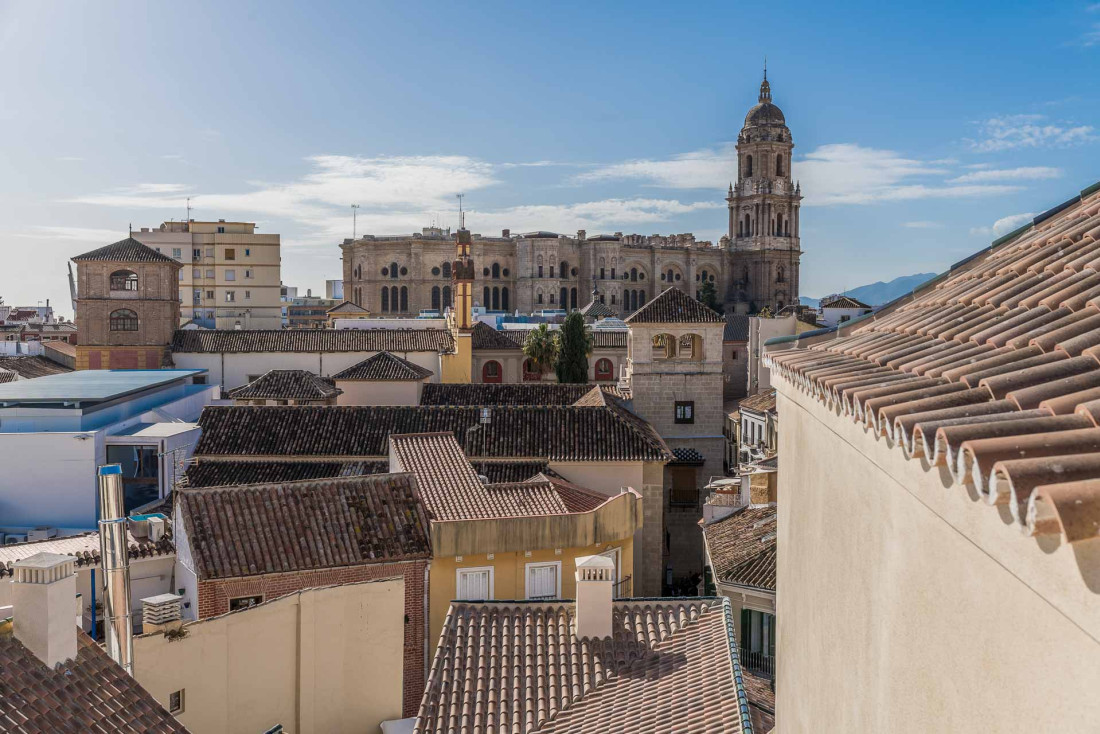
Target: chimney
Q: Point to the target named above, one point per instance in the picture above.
(581, 234)
(160, 613)
(505, 233)
(117, 620)
(594, 576)
(43, 594)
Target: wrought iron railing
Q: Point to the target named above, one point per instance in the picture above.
(623, 589)
(758, 663)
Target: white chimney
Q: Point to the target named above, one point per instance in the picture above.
(43, 593)
(595, 576)
(161, 612)
(118, 631)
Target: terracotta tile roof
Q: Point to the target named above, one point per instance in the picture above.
(843, 302)
(737, 328)
(761, 402)
(214, 341)
(594, 397)
(673, 306)
(84, 547)
(89, 693)
(229, 473)
(601, 338)
(597, 310)
(687, 456)
(554, 433)
(742, 547)
(287, 385)
(127, 250)
(249, 530)
(31, 367)
(517, 667)
(990, 370)
(483, 336)
(761, 702)
(519, 393)
(385, 367)
(346, 307)
(451, 490)
(69, 350)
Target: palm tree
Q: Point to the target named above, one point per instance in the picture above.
(541, 347)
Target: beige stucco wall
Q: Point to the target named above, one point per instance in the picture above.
(906, 606)
(376, 392)
(321, 660)
(232, 369)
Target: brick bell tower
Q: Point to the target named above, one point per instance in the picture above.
(127, 307)
(764, 212)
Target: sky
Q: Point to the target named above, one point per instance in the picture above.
(921, 133)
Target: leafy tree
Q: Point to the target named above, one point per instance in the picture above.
(708, 296)
(541, 347)
(576, 345)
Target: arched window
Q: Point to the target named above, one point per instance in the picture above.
(690, 346)
(385, 299)
(446, 270)
(670, 275)
(748, 166)
(572, 298)
(504, 299)
(496, 299)
(748, 226)
(393, 270)
(563, 269)
(447, 302)
(563, 297)
(358, 272)
(664, 346)
(496, 271)
(779, 275)
(485, 300)
(641, 298)
(778, 164)
(778, 224)
(491, 372)
(124, 280)
(704, 274)
(124, 320)
(404, 299)
(551, 298)
(394, 300)
(538, 297)
(634, 275)
(530, 372)
(604, 369)
(435, 298)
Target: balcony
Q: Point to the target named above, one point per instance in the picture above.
(759, 664)
(623, 589)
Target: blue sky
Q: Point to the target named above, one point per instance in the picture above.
(921, 133)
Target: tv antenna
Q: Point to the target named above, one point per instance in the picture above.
(188, 220)
(461, 214)
(354, 219)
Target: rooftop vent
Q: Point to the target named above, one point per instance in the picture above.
(43, 593)
(160, 612)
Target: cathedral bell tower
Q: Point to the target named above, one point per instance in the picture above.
(764, 211)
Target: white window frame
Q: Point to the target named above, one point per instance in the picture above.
(527, 577)
(473, 569)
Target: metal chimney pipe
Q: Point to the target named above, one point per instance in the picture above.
(117, 622)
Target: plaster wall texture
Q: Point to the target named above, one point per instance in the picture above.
(377, 392)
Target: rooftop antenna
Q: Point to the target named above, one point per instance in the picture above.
(188, 220)
(461, 214)
(354, 219)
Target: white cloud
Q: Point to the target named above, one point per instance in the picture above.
(1091, 37)
(709, 168)
(69, 158)
(923, 224)
(1024, 173)
(1004, 225)
(1028, 131)
(73, 234)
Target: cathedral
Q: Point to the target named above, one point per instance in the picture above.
(753, 267)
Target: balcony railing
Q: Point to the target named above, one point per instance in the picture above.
(623, 589)
(758, 663)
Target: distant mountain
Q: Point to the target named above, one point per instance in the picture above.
(877, 294)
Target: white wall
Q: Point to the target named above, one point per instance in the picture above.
(49, 479)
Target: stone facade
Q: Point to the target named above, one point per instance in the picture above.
(754, 267)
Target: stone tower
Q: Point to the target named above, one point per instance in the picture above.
(127, 306)
(764, 211)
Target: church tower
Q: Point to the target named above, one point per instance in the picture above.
(764, 212)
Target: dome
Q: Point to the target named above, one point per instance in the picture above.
(765, 113)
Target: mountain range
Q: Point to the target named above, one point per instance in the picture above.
(879, 293)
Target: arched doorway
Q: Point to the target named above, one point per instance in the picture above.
(492, 372)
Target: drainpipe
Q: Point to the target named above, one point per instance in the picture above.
(117, 623)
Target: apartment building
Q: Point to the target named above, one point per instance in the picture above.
(230, 274)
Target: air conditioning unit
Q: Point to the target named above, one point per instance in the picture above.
(13, 538)
(42, 533)
(151, 526)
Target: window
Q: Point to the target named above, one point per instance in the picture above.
(543, 580)
(230, 253)
(140, 473)
(230, 296)
(221, 230)
(496, 271)
(530, 372)
(551, 271)
(248, 252)
(197, 296)
(210, 294)
(196, 254)
(474, 584)
(177, 252)
(604, 369)
(404, 298)
(602, 276)
(446, 270)
(210, 272)
(778, 164)
(248, 274)
(385, 299)
(393, 270)
(245, 602)
(124, 320)
(446, 296)
(196, 273)
(538, 298)
(210, 252)
(504, 299)
(634, 274)
(612, 273)
(492, 372)
(175, 702)
(435, 298)
(540, 271)
(748, 166)
(230, 274)
(124, 280)
(248, 295)
(685, 411)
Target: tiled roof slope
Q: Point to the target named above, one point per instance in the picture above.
(85, 547)
(214, 341)
(673, 306)
(742, 547)
(385, 367)
(737, 328)
(229, 473)
(347, 307)
(483, 336)
(761, 402)
(451, 489)
(287, 385)
(597, 310)
(601, 338)
(843, 302)
(30, 367)
(990, 370)
(518, 667)
(256, 529)
(520, 393)
(8, 376)
(557, 432)
(127, 250)
(89, 693)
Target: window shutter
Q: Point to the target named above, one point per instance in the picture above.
(746, 627)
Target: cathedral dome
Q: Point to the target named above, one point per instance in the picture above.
(765, 113)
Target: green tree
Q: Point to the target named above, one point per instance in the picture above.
(576, 345)
(708, 296)
(541, 347)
